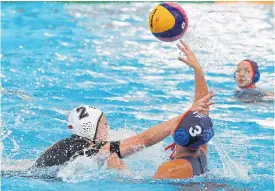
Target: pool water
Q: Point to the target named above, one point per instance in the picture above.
(56, 56)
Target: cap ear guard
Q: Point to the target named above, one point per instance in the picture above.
(254, 65)
(194, 130)
(256, 76)
(181, 137)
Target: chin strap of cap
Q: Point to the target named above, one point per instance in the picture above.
(173, 148)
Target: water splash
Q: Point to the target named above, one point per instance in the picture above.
(231, 168)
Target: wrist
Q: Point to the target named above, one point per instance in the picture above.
(197, 68)
(196, 65)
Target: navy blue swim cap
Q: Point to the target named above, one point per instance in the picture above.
(256, 74)
(194, 130)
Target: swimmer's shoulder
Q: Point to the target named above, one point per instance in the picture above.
(60, 143)
(251, 95)
(54, 149)
(174, 169)
(70, 144)
(61, 152)
(267, 95)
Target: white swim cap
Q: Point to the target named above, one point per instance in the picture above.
(84, 121)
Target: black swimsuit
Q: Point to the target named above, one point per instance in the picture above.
(66, 149)
(199, 164)
(250, 95)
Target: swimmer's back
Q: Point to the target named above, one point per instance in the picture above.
(62, 151)
(183, 167)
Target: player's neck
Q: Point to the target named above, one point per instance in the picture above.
(184, 151)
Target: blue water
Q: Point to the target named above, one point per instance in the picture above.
(56, 56)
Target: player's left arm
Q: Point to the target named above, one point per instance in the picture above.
(269, 93)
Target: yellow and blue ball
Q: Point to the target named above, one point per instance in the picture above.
(168, 22)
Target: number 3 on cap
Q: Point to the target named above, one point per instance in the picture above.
(195, 131)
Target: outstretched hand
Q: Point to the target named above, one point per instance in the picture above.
(191, 59)
(202, 105)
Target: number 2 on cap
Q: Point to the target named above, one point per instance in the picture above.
(82, 111)
(195, 131)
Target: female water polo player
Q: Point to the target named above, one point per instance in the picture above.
(191, 133)
(246, 76)
(90, 130)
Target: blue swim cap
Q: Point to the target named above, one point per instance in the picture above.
(256, 75)
(194, 130)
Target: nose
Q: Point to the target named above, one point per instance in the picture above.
(241, 73)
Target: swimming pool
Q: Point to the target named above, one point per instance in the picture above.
(56, 56)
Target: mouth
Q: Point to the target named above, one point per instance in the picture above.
(241, 81)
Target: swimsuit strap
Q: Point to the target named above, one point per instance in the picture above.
(199, 164)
